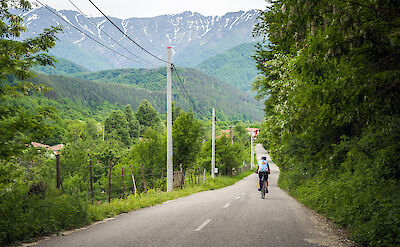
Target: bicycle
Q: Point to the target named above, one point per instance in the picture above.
(264, 187)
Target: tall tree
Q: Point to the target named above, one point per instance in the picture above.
(331, 89)
(147, 116)
(133, 124)
(19, 126)
(116, 127)
(186, 132)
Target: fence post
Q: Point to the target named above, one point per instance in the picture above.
(58, 171)
(143, 179)
(91, 179)
(109, 181)
(123, 184)
(133, 180)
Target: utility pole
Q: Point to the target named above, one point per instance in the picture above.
(170, 169)
(231, 134)
(252, 150)
(213, 145)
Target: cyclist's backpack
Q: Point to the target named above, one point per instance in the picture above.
(264, 167)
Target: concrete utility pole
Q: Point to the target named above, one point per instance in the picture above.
(252, 150)
(170, 169)
(213, 145)
(231, 134)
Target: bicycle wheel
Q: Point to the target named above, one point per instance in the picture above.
(263, 190)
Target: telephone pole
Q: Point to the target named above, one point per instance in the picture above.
(170, 169)
(231, 134)
(213, 145)
(252, 150)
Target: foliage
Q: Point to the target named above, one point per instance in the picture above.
(235, 66)
(116, 127)
(131, 86)
(133, 124)
(147, 116)
(19, 126)
(187, 136)
(61, 67)
(227, 156)
(330, 84)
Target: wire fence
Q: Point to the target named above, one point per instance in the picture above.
(114, 180)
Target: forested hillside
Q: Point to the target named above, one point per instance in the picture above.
(235, 66)
(61, 67)
(131, 86)
(331, 87)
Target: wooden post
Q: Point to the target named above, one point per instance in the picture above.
(133, 180)
(143, 179)
(58, 171)
(109, 181)
(91, 179)
(123, 184)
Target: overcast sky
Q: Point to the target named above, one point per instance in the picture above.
(148, 8)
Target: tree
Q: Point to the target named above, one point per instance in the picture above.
(19, 126)
(147, 116)
(186, 132)
(133, 124)
(116, 127)
(331, 88)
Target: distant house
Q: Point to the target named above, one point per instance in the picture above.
(256, 131)
(226, 133)
(56, 148)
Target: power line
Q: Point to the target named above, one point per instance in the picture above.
(187, 94)
(98, 42)
(162, 60)
(109, 36)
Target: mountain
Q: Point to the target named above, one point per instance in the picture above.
(61, 67)
(205, 91)
(194, 37)
(235, 66)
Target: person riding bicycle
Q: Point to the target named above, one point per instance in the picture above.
(263, 171)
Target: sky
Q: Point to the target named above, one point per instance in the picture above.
(149, 8)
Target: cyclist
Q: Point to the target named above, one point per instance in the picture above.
(263, 171)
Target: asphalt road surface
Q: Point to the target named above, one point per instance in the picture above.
(232, 216)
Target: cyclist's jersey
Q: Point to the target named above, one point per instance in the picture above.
(263, 166)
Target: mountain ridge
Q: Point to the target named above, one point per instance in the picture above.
(193, 36)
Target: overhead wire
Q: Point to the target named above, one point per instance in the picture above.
(137, 44)
(109, 36)
(73, 26)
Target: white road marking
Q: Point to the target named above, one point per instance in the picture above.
(227, 205)
(237, 197)
(202, 225)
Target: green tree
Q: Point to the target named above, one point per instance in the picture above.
(116, 127)
(147, 116)
(187, 135)
(133, 124)
(331, 87)
(19, 126)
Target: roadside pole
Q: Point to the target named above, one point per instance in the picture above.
(169, 124)
(213, 145)
(252, 150)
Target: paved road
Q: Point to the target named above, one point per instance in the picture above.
(232, 216)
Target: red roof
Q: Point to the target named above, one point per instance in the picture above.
(55, 148)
